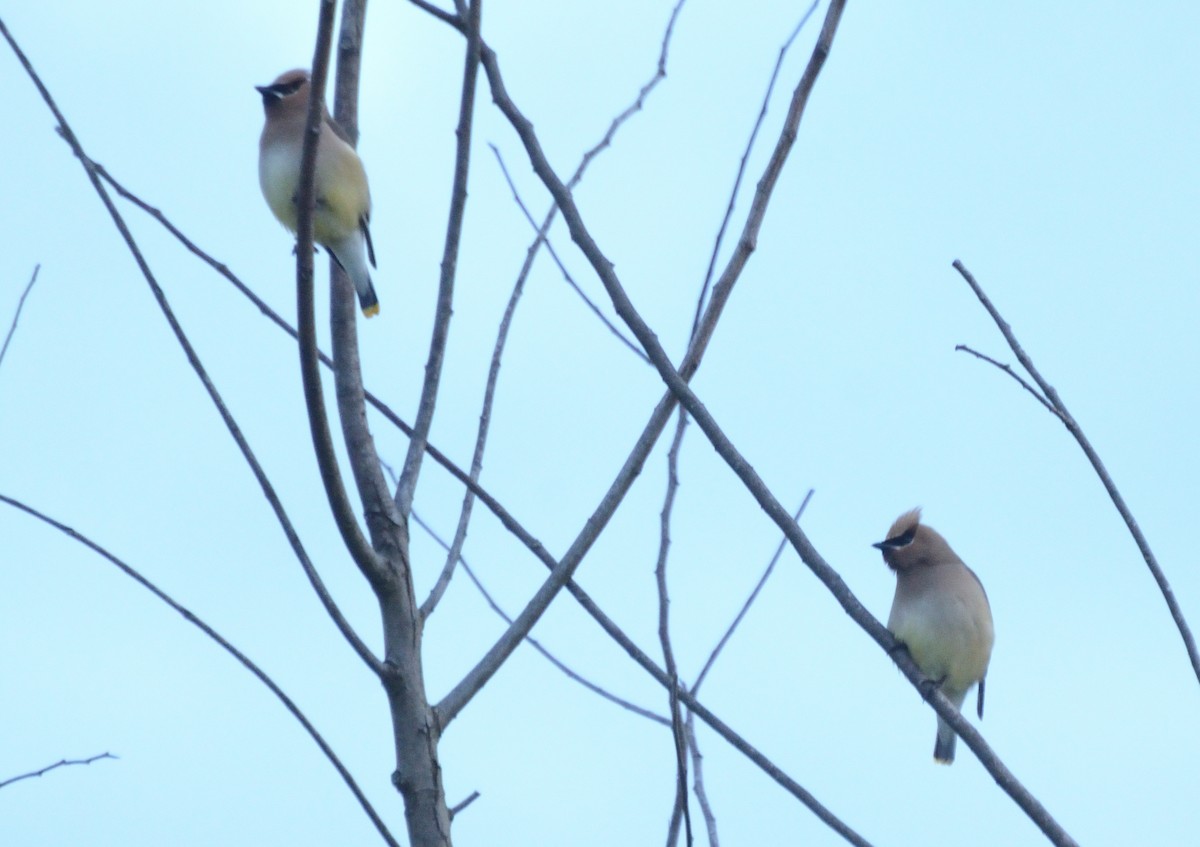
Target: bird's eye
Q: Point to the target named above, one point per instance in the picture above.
(903, 539)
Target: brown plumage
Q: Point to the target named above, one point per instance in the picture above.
(940, 613)
(342, 214)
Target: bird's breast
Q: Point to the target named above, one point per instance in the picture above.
(279, 176)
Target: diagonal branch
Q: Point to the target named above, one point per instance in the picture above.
(17, 313)
(543, 237)
(710, 819)
(681, 808)
(1060, 411)
(563, 570)
(285, 523)
(677, 384)
(1008, 369)
(741, 172)
(460, 534)
(241, 657)
(387, 532)
(533, 642)
(373, 568)
(762, 580)
(441, 326)
(61, 763)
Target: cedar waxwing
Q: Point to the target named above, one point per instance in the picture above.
(940, 613)
(343, 204)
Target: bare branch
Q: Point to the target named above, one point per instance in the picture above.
(562, 570)
(387, 531)
(285, 523)
(441, 327)
(636, 106)
(677, 384)
(61, 762)
(543, 238)
(1009, 370)
(241, 657)
(440, 14)
(518, 288)
(533, 642)
(376, 571)
(1060, 411)
(487, 666)
(741, 171)
(762, 580)
(710, 819)
(17, 316)
(664, 637)
(471, 798)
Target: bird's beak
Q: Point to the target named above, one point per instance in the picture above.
(880, 545)
(264, 90)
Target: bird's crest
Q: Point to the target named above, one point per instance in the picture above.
(906, 523)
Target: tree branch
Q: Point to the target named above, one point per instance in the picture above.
(681, 809)
(17, 314)
(677, 384)
(241, 657)
(61, 763)
(460, 534)
(741, 171)
(387, 531)
(762, 580)
(542, 237)
(533, 642)
(441, 326)
(1008, 369)
(285, 523)
(710, 819)
(376, 571)
(1056, 405)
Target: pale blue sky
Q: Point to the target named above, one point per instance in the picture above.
(1052, 149)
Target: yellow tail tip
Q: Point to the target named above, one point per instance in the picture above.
(371, 311)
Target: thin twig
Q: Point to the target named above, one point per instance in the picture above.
(660, 73)
(710, 819)
(543, 238)
(741, 171)
(471, 798)
(762, 580)
(441, 323)
(241, 657)
(681, 806)
(17, 314)
(533, 642)
(447, 572)
(1008, 369)
(59, 764)
(485, 416)
(1060, 411)
(606, 140)
(285, 523)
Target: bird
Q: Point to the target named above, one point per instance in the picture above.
(342, 213)
(941, 614)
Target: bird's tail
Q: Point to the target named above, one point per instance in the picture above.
(367, 299)
(943, 748)
(351, 255)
